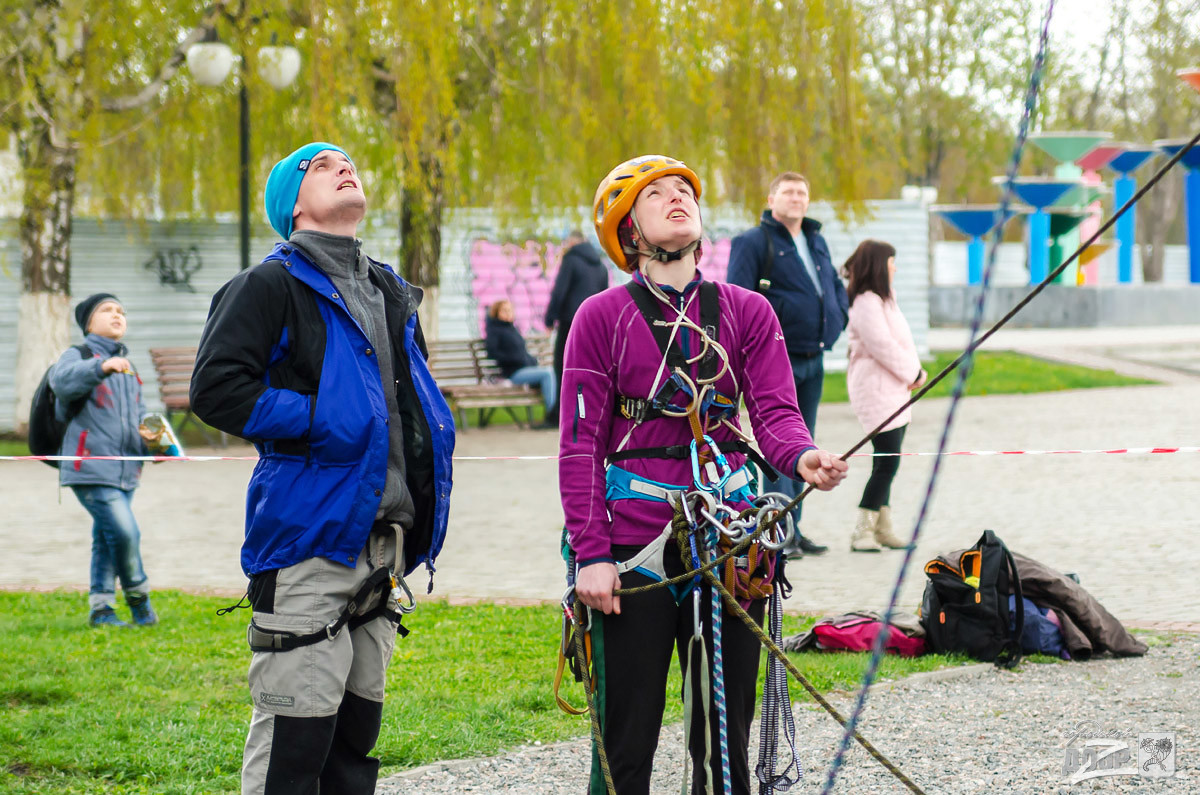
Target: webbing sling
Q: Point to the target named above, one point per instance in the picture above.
(683, 452)
(261, 640)
(642, 409)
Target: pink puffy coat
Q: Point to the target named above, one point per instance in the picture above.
(883, 361)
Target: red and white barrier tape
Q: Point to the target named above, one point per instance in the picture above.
(193, 458)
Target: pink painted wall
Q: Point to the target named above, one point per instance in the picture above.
(524, 274)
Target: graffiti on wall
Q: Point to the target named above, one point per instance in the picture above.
(524, 274)
(175, 266)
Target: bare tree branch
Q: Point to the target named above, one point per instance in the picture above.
(170, 68)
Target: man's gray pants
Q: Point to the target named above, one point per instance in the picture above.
(318, 708)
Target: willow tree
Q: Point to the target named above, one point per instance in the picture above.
(945, 84)
(447, 103)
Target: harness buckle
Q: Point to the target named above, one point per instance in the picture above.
(330, 632)
(629, 408)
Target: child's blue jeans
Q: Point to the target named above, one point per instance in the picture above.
(116, 544)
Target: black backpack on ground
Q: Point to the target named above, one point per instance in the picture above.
(45, 431)
(962, 617)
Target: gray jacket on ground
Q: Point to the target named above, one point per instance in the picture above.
(108, 421)
(1087, 627)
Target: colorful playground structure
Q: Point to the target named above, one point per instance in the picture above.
(1065, 208)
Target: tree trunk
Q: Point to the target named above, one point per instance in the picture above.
(1154, 219)
(51, 105)
(421, 240)
(48, 173)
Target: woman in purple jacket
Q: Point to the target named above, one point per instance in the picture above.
(625, 456)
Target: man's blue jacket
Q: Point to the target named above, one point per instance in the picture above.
(283, 364)
(811, 323)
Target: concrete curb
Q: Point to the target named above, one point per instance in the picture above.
(944, 675)
(454, 765)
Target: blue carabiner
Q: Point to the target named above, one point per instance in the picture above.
(724, 472)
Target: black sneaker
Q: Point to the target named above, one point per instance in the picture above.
(105, 617)
(143, 613)
(809, 547)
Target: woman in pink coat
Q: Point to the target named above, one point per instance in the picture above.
(883, 369)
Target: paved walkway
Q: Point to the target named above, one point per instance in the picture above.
(1127, 524)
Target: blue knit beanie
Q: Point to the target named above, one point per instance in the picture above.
(284, 184)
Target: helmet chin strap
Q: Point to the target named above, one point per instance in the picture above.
(657, 252)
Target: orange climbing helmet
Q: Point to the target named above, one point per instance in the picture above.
(617, 192)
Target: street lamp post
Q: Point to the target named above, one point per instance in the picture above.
(210, 63)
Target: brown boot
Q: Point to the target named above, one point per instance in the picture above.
(883, 530)
(863, 539)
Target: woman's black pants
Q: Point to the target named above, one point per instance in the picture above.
(878, 491)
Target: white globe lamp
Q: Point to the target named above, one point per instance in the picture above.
(279, 65)
(209, 62)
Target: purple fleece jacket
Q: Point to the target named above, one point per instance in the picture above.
(612, 351)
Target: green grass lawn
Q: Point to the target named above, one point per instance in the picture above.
(1001, 373)
(165, 709)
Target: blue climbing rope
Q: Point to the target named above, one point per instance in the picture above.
(964, 372)
(719, 692)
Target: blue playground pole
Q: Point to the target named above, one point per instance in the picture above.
(975, 251)
(1123, 187)
(1191, 200)
(1039, 239)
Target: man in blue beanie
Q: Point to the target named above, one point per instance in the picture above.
(316, 356)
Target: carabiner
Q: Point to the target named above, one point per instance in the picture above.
(717, 486)
(400, 588)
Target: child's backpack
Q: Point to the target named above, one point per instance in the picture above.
(45, 431)
(965, 607)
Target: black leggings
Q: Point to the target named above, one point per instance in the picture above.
(634, 655)
(878, 491)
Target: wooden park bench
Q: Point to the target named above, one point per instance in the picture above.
(468, 379)
(174, 369)
(464, 373)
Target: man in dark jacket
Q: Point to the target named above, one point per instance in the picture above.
(786, 259)
(316, 356)
(581, 275)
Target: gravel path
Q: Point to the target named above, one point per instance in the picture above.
(970, 730)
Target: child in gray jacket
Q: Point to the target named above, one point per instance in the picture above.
(107, 425)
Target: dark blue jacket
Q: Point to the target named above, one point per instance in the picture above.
(506, 346)
(811, 323)
(283, 364)
(581, 275)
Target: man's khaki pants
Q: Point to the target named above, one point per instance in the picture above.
(318, 708)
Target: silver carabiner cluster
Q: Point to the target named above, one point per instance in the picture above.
(777, 529)
(701, 508)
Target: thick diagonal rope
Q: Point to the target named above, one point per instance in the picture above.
(744, 544)
(732, 604)
(945, 371)
(593, 711)
(964, 373)
(966, 356)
